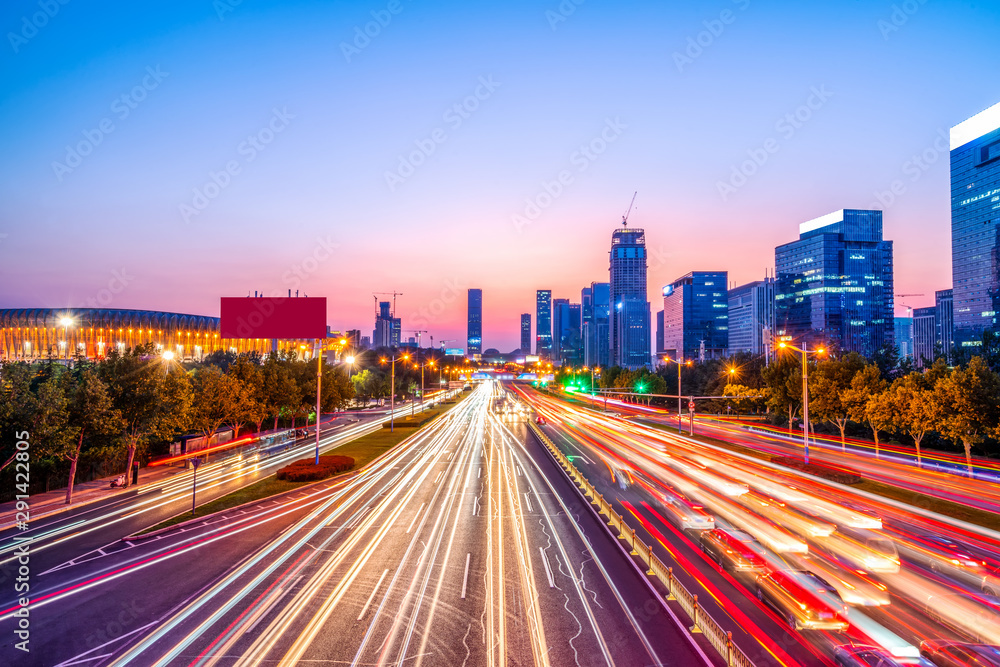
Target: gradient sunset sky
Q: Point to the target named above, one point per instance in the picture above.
(314, 208)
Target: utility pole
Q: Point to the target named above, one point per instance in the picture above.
(805, 401)
(319, 378)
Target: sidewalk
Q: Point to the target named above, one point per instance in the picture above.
(41, 505)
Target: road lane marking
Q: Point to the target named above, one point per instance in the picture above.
(548, 572)
(465, 579)
(415, 518)
(526, 500)
(475, 505)
(372, 596)
(438, 476)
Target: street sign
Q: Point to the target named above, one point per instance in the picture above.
(690, 406)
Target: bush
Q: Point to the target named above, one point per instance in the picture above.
(839, 475)
(306, 470)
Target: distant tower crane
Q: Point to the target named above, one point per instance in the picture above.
(394, 295)
(909, 309)
(625, 217)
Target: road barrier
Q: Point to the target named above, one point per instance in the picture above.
(701, 622)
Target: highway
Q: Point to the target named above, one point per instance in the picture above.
(464, 545)
(935, 579)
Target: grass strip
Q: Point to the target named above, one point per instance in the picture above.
(363, 450)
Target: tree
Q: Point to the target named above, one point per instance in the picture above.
(971, 411)
(93, 415)
(827, 386)
(248, 381)
(864, 403)
(914, 406)
(17, 404)
(279, 387)
(154, 403)
(216, 401)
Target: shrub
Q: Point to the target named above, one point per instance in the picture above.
(839, 474)
(306, 470)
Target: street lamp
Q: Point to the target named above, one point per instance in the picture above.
(679, 362)
(805, 391)
(392, 389)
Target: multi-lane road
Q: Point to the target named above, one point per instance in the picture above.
(905, 573)
(465, 545)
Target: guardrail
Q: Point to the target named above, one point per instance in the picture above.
(701, 622)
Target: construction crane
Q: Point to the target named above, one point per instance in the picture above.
(394, 295)
(418, 332)
(447, 340)
(909, 309)
(625, 217)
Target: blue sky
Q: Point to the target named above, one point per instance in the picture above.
(324, 205)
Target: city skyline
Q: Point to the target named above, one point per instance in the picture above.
(138, 187)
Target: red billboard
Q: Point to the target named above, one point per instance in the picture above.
(273, 317)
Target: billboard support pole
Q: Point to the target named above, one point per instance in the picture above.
(319, 378)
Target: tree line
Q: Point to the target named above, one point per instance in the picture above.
(119, 410)
(954, 406)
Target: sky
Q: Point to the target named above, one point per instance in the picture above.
(161, 157)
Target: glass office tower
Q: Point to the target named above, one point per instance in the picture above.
(543, 323)
(475, 326)
(525, 333)
(975, 225)
(834, 284)
(629, 339)
(696, 316)
(596, 332)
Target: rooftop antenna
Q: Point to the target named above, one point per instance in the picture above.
(625, 217)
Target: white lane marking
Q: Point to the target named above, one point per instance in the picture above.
(282, 592)
(475, 505)
(480, 473)
(414, 518)
(465, 579)
(530, 508)
(548, 572)
(438, 476)
(372, 596)
(518, 471)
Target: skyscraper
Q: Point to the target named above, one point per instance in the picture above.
(924, 335)
(629, 338)
(596, 329)
(659, 334)
(543, 323)
(474, 344)
(560, 322)
(696, 316)
(387, 328)
(751, 317)
(834, 284)
(903, 335)
(975, 225)
(944, 321)
(525, 333)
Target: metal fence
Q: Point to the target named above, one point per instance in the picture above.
(701, 622)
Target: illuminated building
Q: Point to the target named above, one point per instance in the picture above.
(66, 333)
(696, 316)
(543, 323)
(924, 335)
(475, 324)
(629, 339)
(596, 319)
(751, 317)
(975, 225)
(526, 333)
(834, 284)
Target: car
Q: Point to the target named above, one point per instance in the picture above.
(975, 617)
(734, 550)
(806, 601)
(540, 420)
(945, 653)
(862, 655)
(952, 559)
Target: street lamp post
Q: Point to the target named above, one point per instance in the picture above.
(805, 393)
(392, 389)
(679, 362)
